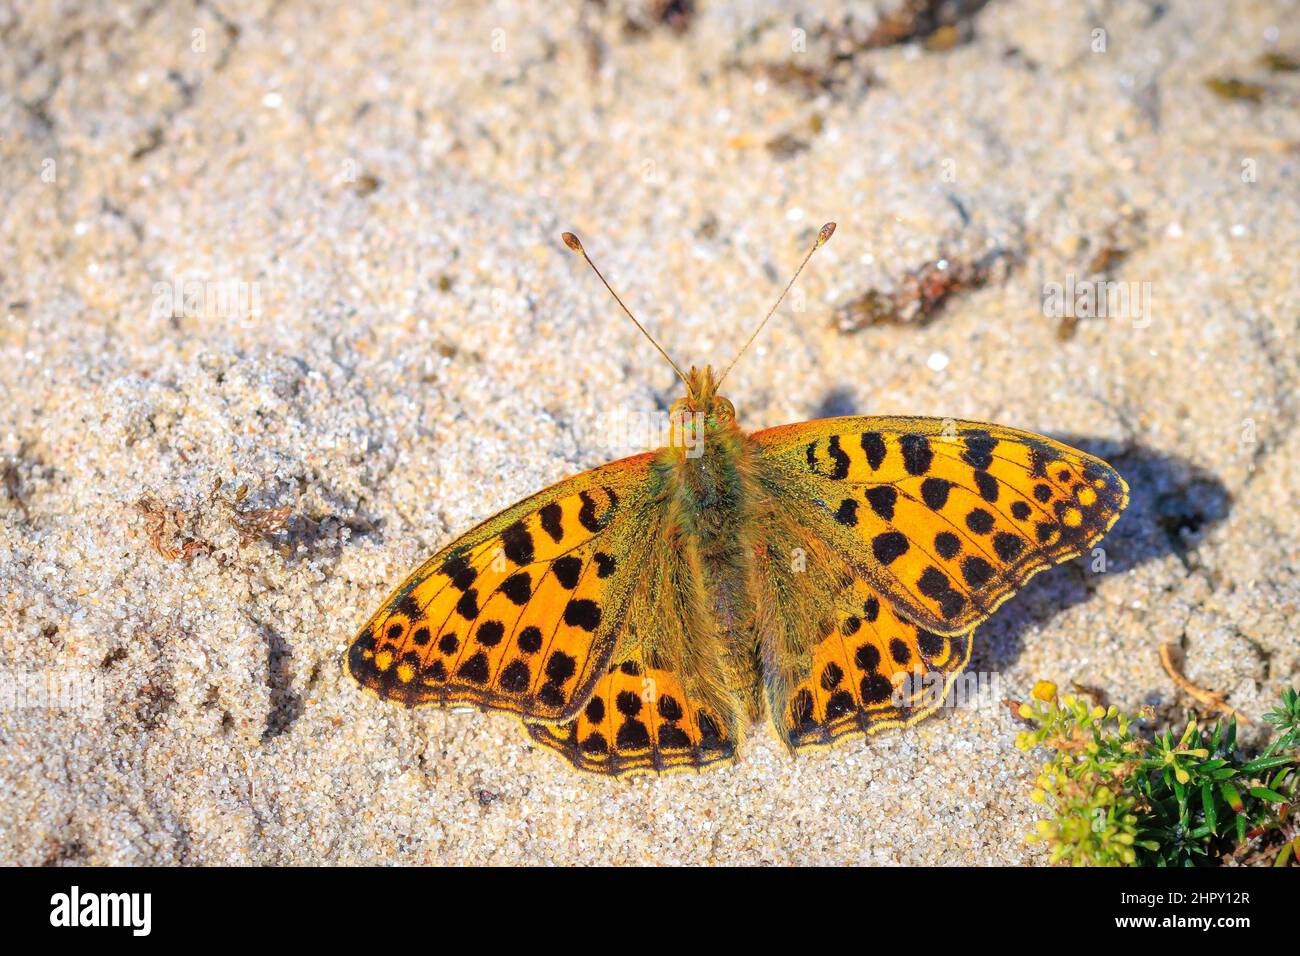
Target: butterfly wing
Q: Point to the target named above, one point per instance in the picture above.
(520, 614)
(872, 670)
(944, 519)
(678, 693)
(640, 719)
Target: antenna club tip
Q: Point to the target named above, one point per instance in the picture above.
(571, 241)
(825, 233)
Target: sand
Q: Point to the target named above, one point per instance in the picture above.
(313, 252)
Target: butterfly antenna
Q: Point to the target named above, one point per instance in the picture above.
(823, 236)
(575, 244)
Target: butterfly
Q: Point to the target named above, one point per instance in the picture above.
(644, 615)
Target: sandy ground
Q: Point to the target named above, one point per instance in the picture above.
(314, 252)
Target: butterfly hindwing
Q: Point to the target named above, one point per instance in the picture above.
(946, 519)
(521, 613)
(874, 669)
(639, 719)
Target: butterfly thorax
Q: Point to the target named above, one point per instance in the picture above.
(701, 465)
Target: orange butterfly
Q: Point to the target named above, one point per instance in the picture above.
(641, 616)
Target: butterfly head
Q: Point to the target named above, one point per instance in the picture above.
(700, 414)
(702, 399)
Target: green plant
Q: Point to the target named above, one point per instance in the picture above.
(1116, 797)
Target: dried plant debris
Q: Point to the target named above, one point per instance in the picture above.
(642, 16)
(1252, 91)
(827, 72)
(1211, 700)
(939, 24)
(828, 59)
(254, 523)
(366, 184)
(920, 295)
(169, 530)
(181, 534)
(1101, 255)
(1232, 88)
(786, 146)
(1278, 62)
(12, 483)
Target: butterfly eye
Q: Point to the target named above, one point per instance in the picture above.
(724, 411)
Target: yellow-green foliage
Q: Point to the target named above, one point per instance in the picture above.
(1118, 798)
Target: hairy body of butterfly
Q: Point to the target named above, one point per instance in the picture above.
(643, 615)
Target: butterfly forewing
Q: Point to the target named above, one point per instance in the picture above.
(945, 519)
(521, 613)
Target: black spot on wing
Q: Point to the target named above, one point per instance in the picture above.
(475, 669)
(408, 607)
(518, 543)
(987, 485)
(582, 613)
(516, 677)
(976, 571)
(947, 544)
(875, 689)
(934, 492)
(518, 588)
(587, 513)
(847, 513)
(917, 455)
(840, 471)
(669, 709)
(560, 667)
(567, 571)
(871, 609)
(841, 703)
(882, 499)
(457, 568)
(933, 583)
(529, 640)
(873, 446)
(552, 521)
(489, 633)
(832, 674)
(888, 546)
(979, 449)
(1008, 546)
(467, 606)
(632, 735)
